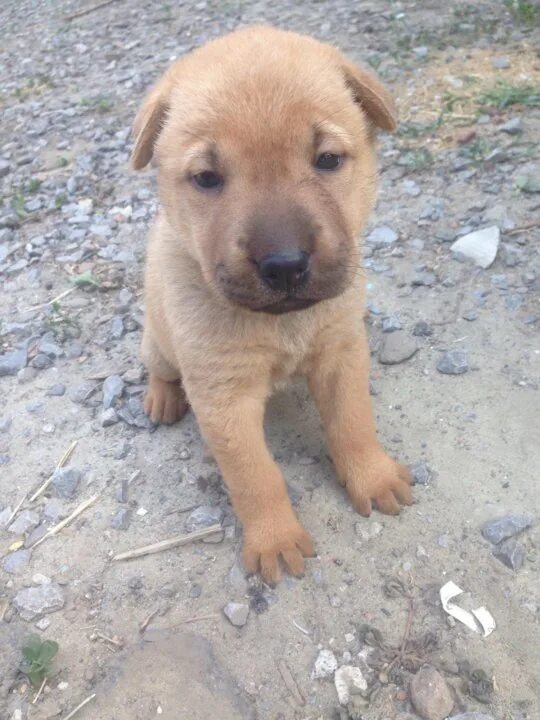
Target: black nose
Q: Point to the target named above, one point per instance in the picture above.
(285, 272)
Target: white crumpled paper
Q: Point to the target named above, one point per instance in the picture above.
(473, 619)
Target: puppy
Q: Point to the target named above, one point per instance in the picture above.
(264, 142)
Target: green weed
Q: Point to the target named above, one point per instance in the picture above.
(38, 656)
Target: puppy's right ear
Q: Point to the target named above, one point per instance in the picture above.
(149, 122)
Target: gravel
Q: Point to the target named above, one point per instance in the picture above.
(236, 613)
(66, 481)
(349, 680)
(505, 527)
(16, 562)
(480, 246)
(430, 694)
(325, 665)
(511, 553)
(382, 236)
(453, 362)
(25, 522)
(203, 517)
(33, 602)
(396, 348)
(420, 472)
(113, 388)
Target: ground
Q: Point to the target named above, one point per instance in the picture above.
(148, 636)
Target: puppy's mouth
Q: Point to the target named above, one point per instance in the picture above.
(288, 304)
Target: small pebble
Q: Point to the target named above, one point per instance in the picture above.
(236, 613)
(453, 362)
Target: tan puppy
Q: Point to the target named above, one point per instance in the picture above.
(264, 143)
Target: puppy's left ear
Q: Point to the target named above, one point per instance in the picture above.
(369, 92)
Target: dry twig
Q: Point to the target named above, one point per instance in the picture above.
(61, 525)
(80, 706)
(34, 701)
(88, 10)
(63, 460)
(169, 544)
(290, 682)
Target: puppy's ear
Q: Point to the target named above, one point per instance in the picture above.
(369, 92)
(149, 121)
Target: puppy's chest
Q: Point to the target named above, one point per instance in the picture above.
(290, 351)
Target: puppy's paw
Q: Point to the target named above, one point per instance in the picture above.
(275, 536)
(165, 402)
(377, 480)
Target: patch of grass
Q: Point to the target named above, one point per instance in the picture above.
(60, 200)
(524, 11)
(17, 203)
(504, 94)
(101, 104)
(38, 657)
(34, 86)
(85, 279)
(476, 150)
(63, 162)
(417, 130)
(416, 159)
(33, 185)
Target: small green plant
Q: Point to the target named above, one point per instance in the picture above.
(33, 185)
(60, 200)
(523, 10)
(17, 203)
(416, 159)
(85, 279)
(503, 94)
(38, 656)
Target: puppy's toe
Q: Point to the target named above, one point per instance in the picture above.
(165, 402)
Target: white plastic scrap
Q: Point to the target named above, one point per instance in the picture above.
(481, 616)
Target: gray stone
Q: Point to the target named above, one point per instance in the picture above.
(396, 348)
(5, 168)
(42, 600)
(36, 534)
(117, 328)
(56, 390)
(113, 387)
(471, 716)
(349, 681)
(65, 481)
(453, 362)
(422, 329)
(382, 236)
(479, 246)
(424, 278)
(109, 417)
(203, 517)
(5, 423)
(430, 695)
(132, 412)
(24, 522)
(514, 126)
(495, 531)
(325, 665)
(17, 561)
(41, 361)
(54, 511)
(420, 472)
(80, 393)
(500, 63)
(236, 613)
(122, 519)
(391, 324)
(5, 515)
(26, 375)
(511, 553)
(12, 362)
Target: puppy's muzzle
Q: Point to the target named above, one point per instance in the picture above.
(286, 272)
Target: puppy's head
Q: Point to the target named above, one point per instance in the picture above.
(264, 142)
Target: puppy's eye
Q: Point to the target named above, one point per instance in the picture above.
(328, 161)
(208, 180)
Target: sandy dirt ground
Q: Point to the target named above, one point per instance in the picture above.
(149, 637)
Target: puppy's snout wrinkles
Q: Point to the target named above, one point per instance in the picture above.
(285, 272)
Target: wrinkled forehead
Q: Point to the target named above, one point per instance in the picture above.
(264, 112)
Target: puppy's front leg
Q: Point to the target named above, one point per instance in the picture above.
(338, 377)
(233, 429)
